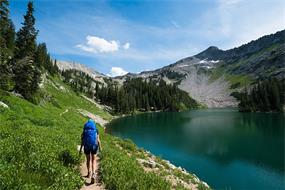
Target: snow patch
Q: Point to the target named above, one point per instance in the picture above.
(214, 61)
(208, 67)
(203, 61)
(207, 61)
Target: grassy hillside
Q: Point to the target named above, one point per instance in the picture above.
(38, 145)
(245, 70)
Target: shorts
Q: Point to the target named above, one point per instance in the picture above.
(90, 149)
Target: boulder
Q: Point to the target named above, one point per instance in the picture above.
(147, 163)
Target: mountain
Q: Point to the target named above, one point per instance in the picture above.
(193, 76)
(244, 50)
(65, 65)
(263, 57)
(212, 75)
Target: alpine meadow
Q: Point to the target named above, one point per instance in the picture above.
(133, 95)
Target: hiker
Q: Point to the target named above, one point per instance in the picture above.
(91, 142)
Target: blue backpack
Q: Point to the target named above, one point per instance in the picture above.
(90, 134)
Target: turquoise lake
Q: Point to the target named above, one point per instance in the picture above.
(225, 148)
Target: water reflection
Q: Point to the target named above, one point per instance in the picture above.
(202, 139)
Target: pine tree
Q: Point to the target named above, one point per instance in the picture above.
(26, 37)
(267, 95)
(27, 74)
(41, 55)
(275, 96)
(7, 29)
(55, 67)
(24, 79)
(7, 43)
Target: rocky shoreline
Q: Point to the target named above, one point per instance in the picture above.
(176, 175)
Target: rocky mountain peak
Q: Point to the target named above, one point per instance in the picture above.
(212, 52)
(65, 65)
(244, 50)
(212, 48)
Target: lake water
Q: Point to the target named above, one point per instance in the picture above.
(225, 148)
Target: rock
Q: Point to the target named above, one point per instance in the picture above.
(206, 184)
(152, 164)
(43, 79)
(62, 88)
(171, 166)
(147, 163)
(2, 104)
(64, 65)
(184, 171)
(196, 180)
(17, 94)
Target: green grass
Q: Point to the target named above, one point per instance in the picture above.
(33, 140)
(242, 80)
(130, 151)
(226, 70)
(121, 171)
(38, 145)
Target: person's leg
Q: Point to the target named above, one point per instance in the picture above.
(93, 156)
(88, 163)
(93, 160)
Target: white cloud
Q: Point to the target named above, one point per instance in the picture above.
(126, 46)
(117, 71)
(96, 44)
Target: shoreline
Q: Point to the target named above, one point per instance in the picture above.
(150, 162)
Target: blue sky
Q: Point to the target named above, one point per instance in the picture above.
(115, 37)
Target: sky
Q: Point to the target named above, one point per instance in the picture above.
(116, 37)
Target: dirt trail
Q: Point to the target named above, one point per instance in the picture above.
(96, 118)
(87, 181)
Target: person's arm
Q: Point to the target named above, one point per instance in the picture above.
(98, 139)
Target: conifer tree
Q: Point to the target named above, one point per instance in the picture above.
(7, 41)
(55, 67)
(267, 95)
(27, 74)
(26, 36)
(7, 29)
(41, 55)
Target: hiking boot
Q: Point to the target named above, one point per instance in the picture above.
(93, 178)
(88, 175)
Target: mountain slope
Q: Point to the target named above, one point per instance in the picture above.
(65, 65)
(212, 75)
(263, 57)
